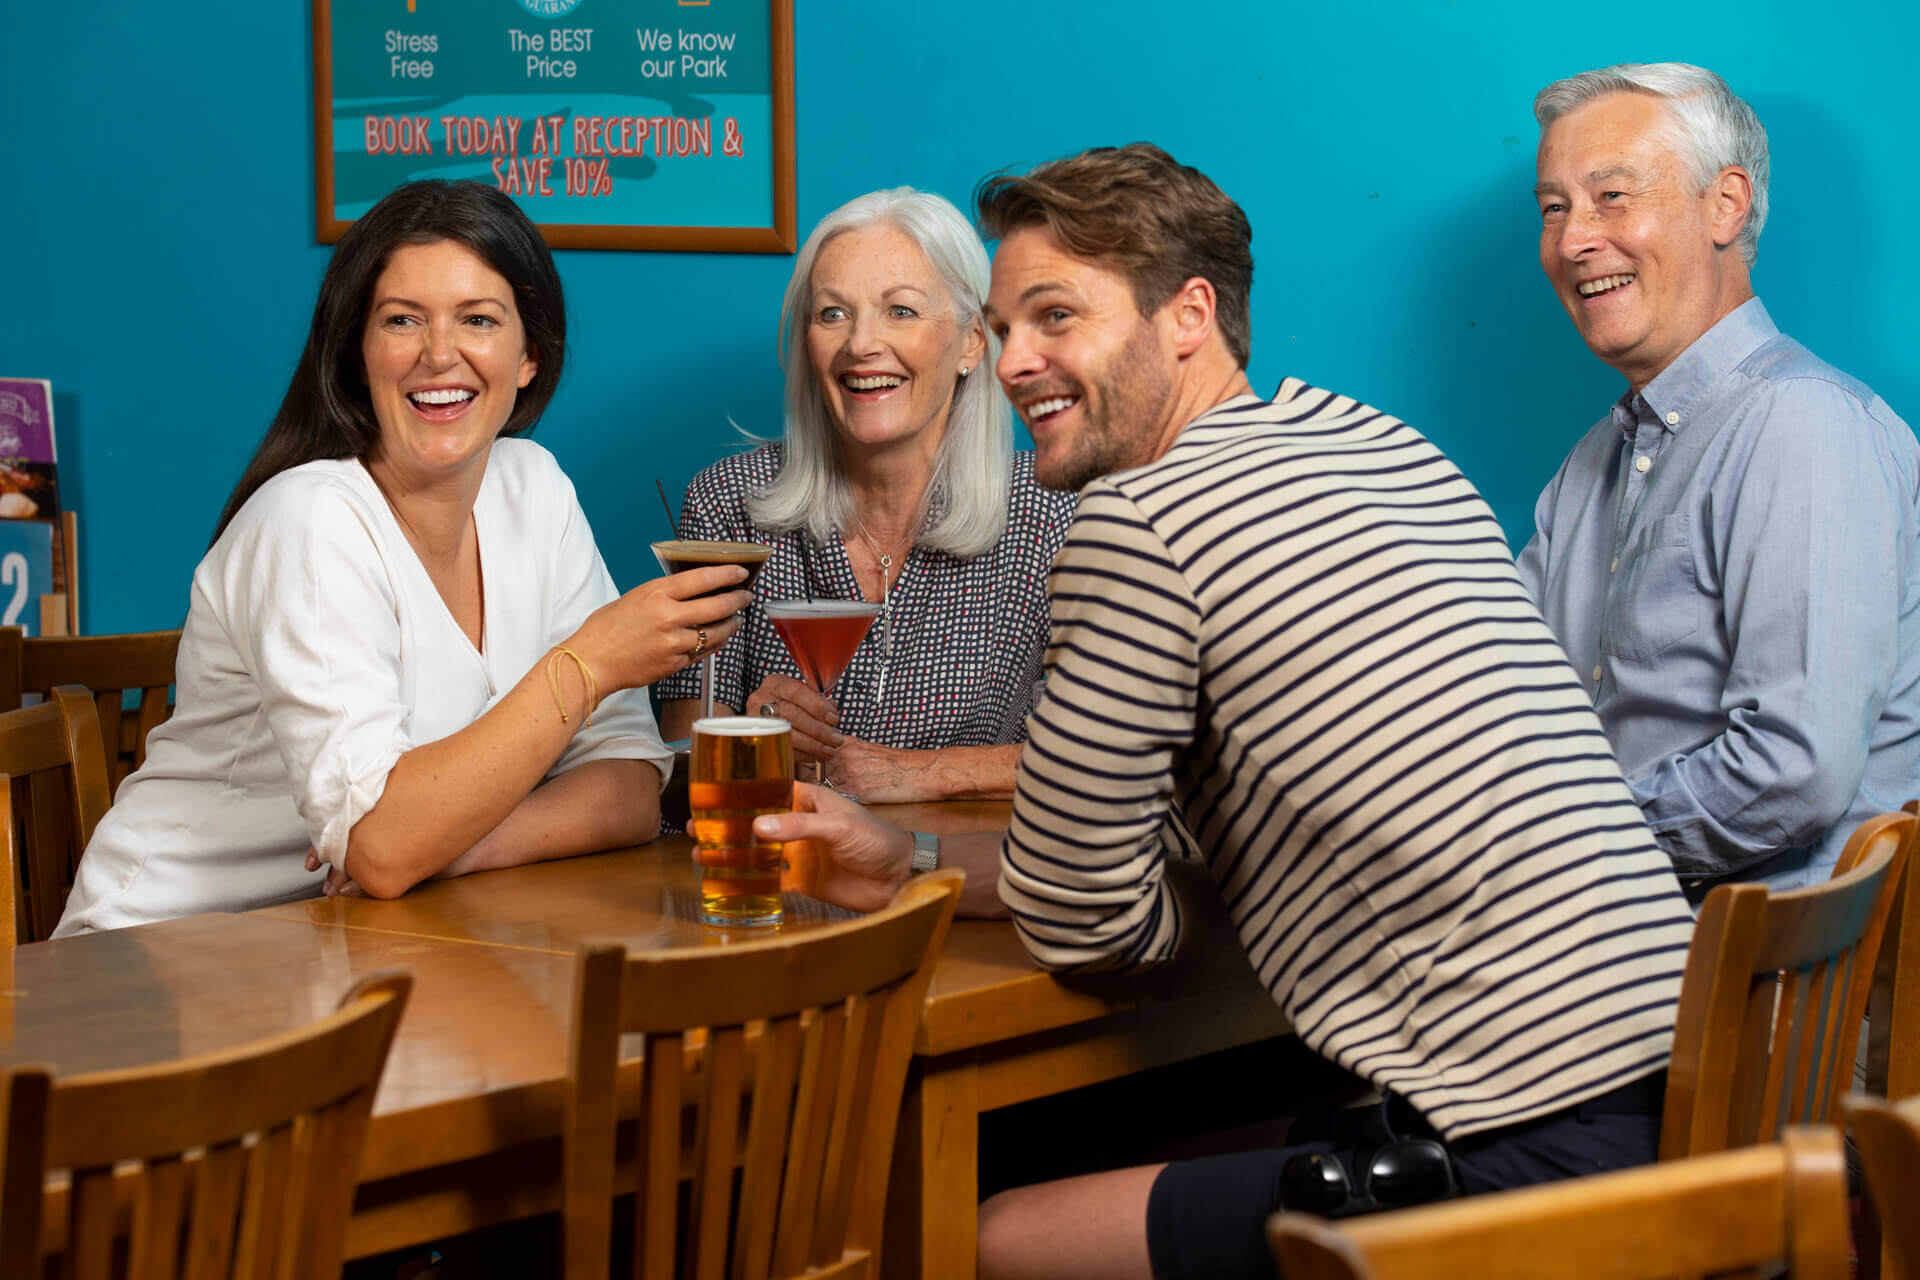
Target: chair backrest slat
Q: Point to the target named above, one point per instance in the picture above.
(1831, 1076)
(591, 1111)
(159, 1210)
(107, 704)
(236, 1164)
(801, 1064)
(1775, 991)
(11, 641)
(813, 1101)
(722, 1076)
(90, 1225)
(217, 1188)
(851, 1097)
(23, 1145)
(775, 1078)
(656, 1200)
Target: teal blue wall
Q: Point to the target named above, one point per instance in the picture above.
(157, 258)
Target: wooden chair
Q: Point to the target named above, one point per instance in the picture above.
(825, 1021)
(245, 1159)
(1893, 1012)
(1785, 1201)
(1888, 1135)
(56, 792)
(23, 1150)
(1773, 998)
(11, 641)
(110, 666)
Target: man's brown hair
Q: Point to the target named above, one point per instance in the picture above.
(1143, 214)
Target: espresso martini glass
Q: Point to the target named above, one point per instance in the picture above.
(677, 555)
(821, 635)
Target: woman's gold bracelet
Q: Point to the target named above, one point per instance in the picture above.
(586, 678)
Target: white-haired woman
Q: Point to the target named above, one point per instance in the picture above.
(896, 482)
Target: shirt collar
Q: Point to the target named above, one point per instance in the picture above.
(1691, 381)
(1225, 407)
(1221, 410)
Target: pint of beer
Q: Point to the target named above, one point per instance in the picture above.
(742, 767)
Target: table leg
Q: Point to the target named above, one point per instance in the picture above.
(933, 1203)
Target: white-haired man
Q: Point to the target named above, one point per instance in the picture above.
(1729, 555)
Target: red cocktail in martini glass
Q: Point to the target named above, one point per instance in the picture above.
(677, 555)
(821, 635)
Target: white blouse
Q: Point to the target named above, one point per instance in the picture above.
(316, 652)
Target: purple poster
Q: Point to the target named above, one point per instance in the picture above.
(27, 488)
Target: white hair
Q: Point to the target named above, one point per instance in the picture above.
(1712, 127)
(968, 493)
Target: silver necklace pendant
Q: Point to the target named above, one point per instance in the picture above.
(885, 619)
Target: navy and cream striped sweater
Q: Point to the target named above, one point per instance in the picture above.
(1301, 633)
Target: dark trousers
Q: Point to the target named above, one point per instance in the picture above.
(1206, 1218)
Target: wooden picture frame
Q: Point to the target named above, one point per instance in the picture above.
(494, 90)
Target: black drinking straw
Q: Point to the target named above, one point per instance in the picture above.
(666, 507)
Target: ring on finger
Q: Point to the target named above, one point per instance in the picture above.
(770, 708)
(700, 643)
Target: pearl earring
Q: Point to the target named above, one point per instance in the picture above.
(965, 370)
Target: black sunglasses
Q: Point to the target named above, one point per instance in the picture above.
(1411, 1171)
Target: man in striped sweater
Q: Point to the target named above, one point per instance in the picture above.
(1292, 629)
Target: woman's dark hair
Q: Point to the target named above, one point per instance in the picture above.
(328, 411)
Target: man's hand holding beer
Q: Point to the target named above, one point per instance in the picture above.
(837, 851)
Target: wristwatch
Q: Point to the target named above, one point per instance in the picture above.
(926, 852)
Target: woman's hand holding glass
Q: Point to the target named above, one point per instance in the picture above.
(659, 627)
(810, 713)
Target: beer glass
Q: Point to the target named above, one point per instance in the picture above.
(741, 767)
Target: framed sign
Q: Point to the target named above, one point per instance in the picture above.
(616, 124)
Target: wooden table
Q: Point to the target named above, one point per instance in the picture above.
(467, 1119)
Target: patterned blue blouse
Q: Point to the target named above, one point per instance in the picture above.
(967, 636)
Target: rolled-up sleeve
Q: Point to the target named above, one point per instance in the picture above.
(1083, 862)
(313, 615)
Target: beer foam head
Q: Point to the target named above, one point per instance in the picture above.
(741, 726)
(821, 608)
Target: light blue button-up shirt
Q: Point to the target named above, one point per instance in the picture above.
(1730, 559)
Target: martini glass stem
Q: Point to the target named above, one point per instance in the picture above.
(819, 767)
(706, 687)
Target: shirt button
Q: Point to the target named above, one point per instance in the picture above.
(1642, 463)
(1596, 675)
(1673, 419)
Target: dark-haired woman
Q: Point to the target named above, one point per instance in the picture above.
(403, 656)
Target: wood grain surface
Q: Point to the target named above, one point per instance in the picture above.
(466, 1123)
